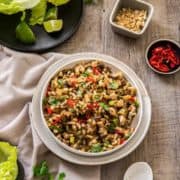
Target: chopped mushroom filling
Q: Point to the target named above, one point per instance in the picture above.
(90, 108)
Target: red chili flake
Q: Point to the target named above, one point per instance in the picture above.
(90, 79)
(164, 59)
(71, 102)
(49, 110)
(121, 141)
(92, 106)
(96, 71)
(56, 121)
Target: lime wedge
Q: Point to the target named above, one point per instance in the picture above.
(24, 33)
(51, 14)
(53, 25)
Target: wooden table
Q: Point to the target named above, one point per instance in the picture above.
(161, 147)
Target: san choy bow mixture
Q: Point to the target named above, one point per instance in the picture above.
(89, 108)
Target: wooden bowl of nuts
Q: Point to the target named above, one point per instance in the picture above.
(131, 17)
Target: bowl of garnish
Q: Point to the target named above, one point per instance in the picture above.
(163, 56)
(131, 17)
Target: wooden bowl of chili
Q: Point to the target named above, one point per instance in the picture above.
(163, 56)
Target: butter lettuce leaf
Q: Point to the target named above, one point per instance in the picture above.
(38, 13)
(14, 6)
(8, 161)
(58, 2)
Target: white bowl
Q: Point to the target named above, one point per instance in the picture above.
(134, 4)
(115, 66)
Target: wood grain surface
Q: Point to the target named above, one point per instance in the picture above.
(161, 147)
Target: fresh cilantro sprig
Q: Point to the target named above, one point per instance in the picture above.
(61, 176)
(42, 171)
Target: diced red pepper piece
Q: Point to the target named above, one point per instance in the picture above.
(96, 71)
(71, 103)
(121, 141)
(49, 110)
(90, 79)
(92, 106)
(132, 99)
(56, 121)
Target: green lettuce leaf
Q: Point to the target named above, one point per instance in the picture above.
(14, 6)
(38, 13)
(8, 161)
(58, 2)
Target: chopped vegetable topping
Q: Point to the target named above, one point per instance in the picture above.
(90, 116)
(96, 148)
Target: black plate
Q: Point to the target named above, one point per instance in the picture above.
(71, 13)
(20, 171)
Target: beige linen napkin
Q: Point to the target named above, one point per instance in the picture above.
(19, 75)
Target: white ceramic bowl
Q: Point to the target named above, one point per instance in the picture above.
(134, 4)
(115, 66)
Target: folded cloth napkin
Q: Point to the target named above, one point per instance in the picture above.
(19, 75)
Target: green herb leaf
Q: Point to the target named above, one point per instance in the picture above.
(61, 176)
(96, 148)
(85, 74)
(136, 104)
(96, 97)
(111, 128)
(60, 82)
(114, 85)
(41, 169)
(104, 106)
(112, 103)
(53, 101)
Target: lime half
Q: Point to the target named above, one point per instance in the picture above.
(24, 33)
(53, 25)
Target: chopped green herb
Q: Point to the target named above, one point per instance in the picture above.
(53, 101)
(114, 85)
(96, 97)
(96, 148)
(62, 98)
(59, 129)
(112, 103)
(136, 104)
(61, 176)
(41, 169)
(106, 143)
(104, 106)
(111, 128)
(60, 82)
(85, 74)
